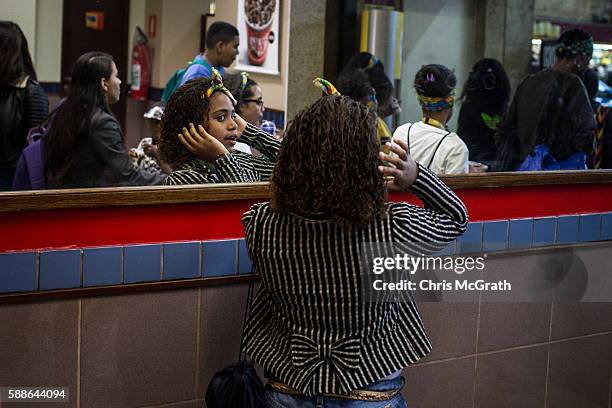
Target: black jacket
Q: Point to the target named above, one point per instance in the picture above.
(550, 108)
(22, 107)
(103, 161)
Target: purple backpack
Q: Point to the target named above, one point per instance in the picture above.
(30, 172)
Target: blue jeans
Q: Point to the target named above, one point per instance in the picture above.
(279, 400)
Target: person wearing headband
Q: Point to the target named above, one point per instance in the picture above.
(552, 108)
(431, 143)
(321, 340)
(249, 101)
(200, 129)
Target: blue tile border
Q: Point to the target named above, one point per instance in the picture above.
(102, 266)
(142, 263)
(18, 272)
(606, 226)
(244, 261)
(219, 258)
(182, 260)
(520, 233)
(544, 231)
(590, 228)
(567, 229)
(495, 236)
(471, 240)
(60, 269)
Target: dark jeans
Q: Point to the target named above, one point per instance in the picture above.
(278, 400)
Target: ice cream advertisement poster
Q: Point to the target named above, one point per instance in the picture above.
(259, 23)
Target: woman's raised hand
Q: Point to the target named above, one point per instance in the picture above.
(201, 144)
(405, 172)
(242, 124)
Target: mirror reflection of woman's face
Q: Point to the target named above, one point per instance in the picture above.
(113, 87)
(220, 123)
(252, 110)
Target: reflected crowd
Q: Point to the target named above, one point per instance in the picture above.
(209, 127)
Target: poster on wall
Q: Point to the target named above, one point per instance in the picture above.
(258, 23)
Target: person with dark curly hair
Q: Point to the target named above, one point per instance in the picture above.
(387, 103)
(208, 154)
(430, 141)
(551, 109)
(311, 325)
(484, 101)
(352, 82)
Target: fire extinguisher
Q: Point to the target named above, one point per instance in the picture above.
(142, 56)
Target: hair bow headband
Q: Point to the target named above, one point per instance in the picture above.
(373, 61)
(584, 47)
(217, 85)
(325, 86)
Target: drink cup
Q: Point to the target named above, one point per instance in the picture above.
(259, 29)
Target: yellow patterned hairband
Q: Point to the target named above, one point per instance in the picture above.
(325, 86)
(217, 85)
(434, 104)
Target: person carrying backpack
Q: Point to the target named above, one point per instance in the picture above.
(23, 102)
(550, 119)
(222, 40)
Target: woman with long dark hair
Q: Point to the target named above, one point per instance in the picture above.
(84, 146)
(313, 327)
(23, 103)
(484, 100)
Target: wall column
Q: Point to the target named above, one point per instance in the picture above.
(507, 35)
(306, 53)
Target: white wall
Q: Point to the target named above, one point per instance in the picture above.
(137, 19)
(48, 56)
(22, 12)
(436, 32)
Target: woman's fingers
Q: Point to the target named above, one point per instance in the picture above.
(391, 158)
(403, 144)
(185, 143)
(399, 149)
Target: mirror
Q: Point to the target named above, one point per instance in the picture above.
(285, 44)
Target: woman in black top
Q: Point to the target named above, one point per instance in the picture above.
(23, 102)
(484, 101)
(84, 146)
(311, 326)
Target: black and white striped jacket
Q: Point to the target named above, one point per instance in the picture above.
(236, 167)
(309, 325)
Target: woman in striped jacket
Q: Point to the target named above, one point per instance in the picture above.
(312, 328)
(206, 154)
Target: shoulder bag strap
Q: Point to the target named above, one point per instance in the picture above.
(247, 310)
(436, 151)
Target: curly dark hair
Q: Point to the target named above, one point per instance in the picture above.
(487, 86)
(444, 81)
(376, 74)
(355, 85)
(328, 163)
(188, 104)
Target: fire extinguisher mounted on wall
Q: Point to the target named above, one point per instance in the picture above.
(142, 63)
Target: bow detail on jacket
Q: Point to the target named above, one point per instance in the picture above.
(310, 356)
